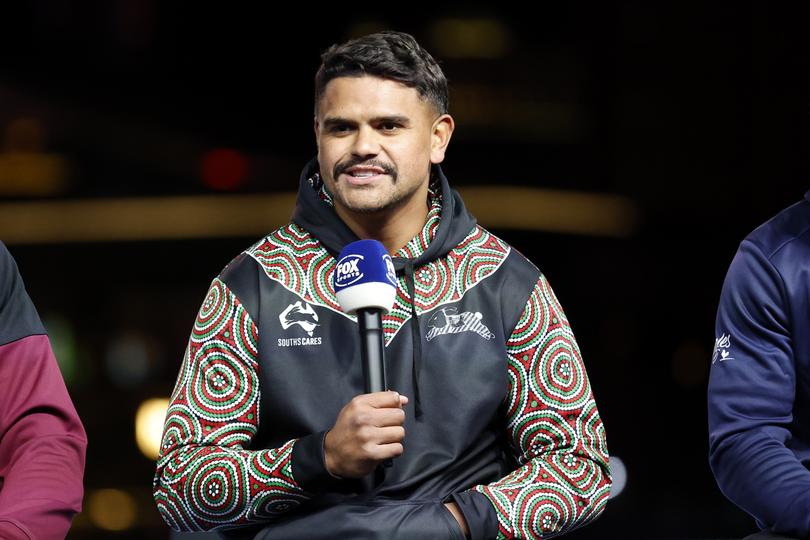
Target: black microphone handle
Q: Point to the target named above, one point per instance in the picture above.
(372, 350)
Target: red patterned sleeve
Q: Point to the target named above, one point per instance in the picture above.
(205, 477)
(564, 480)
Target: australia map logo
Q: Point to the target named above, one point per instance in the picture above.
(449, 321)
(299, 314)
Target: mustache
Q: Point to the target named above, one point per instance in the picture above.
(387, 169)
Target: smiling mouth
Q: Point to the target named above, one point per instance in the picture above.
(362, 178)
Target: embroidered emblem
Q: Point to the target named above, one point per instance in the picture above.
(722, 349)
(299, 313)
(449, 321)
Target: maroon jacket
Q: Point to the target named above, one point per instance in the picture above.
(42, 441)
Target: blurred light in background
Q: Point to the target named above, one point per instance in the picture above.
(129, 359)
(63, 342)
(515, 207)
(470, 38)
(111, 509)
(619, 473)
(25, 167)
(499, 113)
(149, 426)
(218, 216)
(155, 218)
(224, 169)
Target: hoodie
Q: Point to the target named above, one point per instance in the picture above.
(503, 420)
(759, 385)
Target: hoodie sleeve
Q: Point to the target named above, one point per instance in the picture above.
(751, 396)
(206, 477)
(42, 440)
(555, 430)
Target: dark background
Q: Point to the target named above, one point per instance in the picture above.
(696, 112)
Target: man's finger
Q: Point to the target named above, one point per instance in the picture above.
(387, 435)
(384, 417)
(387, 451)
(385, 399)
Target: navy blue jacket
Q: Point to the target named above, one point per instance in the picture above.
(759, 387)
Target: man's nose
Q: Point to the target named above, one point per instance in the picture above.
(366, 142)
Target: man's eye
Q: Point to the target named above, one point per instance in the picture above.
(389, 127)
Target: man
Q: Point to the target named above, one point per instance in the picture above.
(42, 441)
(759, 413)
(268, 428)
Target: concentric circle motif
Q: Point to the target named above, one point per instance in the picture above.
(557, 376)
(181, 426)
(434, 285)
(542, 431)
(221, 388)
(541, 511)
(271, 504)
(245, 335)
(216, 488)
(319, 279)
(214, 312)
(173, 513)
(232, 434)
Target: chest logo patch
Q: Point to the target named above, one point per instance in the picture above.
(449, 321)
(722, 349)
(299, 313)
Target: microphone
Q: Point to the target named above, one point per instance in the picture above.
(366, 284)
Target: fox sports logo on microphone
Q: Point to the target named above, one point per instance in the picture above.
(365, 277)
(347, 271)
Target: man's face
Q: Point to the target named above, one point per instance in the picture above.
(376, 141)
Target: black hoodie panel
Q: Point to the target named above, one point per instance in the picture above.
(243, 276)
(309, 373)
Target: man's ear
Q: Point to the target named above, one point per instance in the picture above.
(442, 130)
(317, 129)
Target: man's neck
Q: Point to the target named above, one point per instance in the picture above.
(394, 230)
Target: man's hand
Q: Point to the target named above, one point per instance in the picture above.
(453, 508)
(367, 431)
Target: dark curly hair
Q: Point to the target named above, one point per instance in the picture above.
(390, 55)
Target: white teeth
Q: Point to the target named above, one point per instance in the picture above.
(363, 174)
